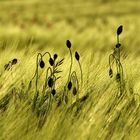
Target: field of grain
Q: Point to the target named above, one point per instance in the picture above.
(99, 110)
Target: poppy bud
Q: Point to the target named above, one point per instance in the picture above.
(51, 61)
(68, 43)
(119, 30)
(55, 56)
(69, 85)
(53, 92)
(42, 64)
(77, 56)
(50, 82)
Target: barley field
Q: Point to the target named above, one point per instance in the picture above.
(69, 70)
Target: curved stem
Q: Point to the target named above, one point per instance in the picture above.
(74, 75)
(37, 70)
(46, 53)
(81, 73)
(36, 65)
(117, 65)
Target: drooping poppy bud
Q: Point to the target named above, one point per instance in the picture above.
(42, 64)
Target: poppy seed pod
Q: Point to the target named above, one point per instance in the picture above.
(69, 85)
(53, 92)
(77, 56)
(50, 82)
(51, 61)
(119, 30)
(55, 56)
(68, 43)
(42, 64)
(14, 61)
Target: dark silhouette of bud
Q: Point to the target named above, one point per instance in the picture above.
(74, 91)
(68, 43)
(55, 56)
(51, 61)
(118, 77)
(118, 45)
(77, 56)
(119, 30)
(111, 73)
(14, 61)
(50, 82)
(53, 92)
(69, 85)
(42, 64)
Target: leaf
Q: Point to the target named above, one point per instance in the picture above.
(59, 62)
(57, 71)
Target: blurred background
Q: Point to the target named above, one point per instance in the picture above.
(90, 24)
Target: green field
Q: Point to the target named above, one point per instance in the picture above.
(103, 108)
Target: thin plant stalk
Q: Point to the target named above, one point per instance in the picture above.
(81, 73)
(70, 65)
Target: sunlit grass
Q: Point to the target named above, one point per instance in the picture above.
(98, 112)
